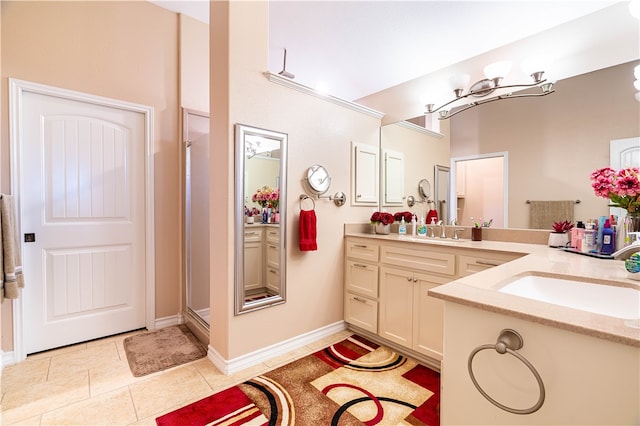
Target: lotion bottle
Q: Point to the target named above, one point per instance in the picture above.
(414, 225)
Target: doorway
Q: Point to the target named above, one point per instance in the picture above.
(196, 222)
(82, 175)
(479, 189)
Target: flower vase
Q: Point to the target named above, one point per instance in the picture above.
(476, 234)
(631, 228)
(558, 239)
(382, 229)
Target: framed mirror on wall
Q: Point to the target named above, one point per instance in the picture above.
(260, 217)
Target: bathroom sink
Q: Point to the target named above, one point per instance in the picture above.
(603, 299)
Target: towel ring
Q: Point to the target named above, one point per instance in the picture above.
(306, 197)
(509, 341)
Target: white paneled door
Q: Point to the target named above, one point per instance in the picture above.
(82, 202)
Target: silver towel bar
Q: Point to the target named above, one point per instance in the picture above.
(577, 201)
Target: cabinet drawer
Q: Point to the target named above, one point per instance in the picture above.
(362, 278)
(468, 265)
(361, 312)
(273, 255)
(422, 260)
(273, 235)
(252, 235)
(363, 251)
(273, 278)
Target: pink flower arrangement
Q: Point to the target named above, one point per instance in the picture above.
(382, 217)
(622, 187)
(267, 196)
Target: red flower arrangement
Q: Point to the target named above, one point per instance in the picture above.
(408, 216)
(382, 217)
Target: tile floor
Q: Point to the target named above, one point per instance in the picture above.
(90, 384)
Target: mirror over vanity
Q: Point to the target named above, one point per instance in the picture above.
(260, 209)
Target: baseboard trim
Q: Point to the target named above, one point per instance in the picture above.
(8, 358)
(169, 321)
(228, 367)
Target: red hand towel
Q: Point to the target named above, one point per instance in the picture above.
(307, 225)
(432, 214)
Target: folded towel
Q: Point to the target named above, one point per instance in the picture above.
(307, 225)
(544, 213)
(11, 278)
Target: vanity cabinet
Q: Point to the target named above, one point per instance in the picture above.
(272, 255)
(468, 265)
(253, 252)
(387, 288)
(361, 284)
(408, 315)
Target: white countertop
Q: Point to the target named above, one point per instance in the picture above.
(480, 290)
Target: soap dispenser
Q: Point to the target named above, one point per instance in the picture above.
(422, 228)
(402, 228)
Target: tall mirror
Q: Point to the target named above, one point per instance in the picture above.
(260, 208)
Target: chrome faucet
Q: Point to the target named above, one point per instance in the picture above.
(625, 252)
(441, 225)
(455, 233)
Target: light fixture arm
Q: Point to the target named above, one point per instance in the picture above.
(497, 98)
(485, 87)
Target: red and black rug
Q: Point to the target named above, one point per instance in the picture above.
(353, 382)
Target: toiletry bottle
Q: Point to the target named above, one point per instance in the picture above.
(402, 228)
(414, 225)
(608, 238)
(589, 240)
(579, 236)
(422, 228)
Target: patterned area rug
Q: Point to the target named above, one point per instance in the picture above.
(162, 349)
(353, 382)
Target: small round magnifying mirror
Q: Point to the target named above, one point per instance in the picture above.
(424, 189)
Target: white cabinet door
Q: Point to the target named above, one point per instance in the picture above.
(396, 306)
(429, 312)
(364, 174)
(393, 178)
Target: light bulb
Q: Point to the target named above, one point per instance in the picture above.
(636, 72)
(636, 84)
(459, 81)
(497, 69)
(634, 8)
(638, 96)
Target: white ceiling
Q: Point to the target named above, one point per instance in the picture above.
(357, 48)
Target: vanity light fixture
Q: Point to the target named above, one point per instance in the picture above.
(494, 74)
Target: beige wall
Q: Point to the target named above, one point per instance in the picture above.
(554, 142)
(421, 154)
(122, 50)
(194, 64)
(319, 132)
